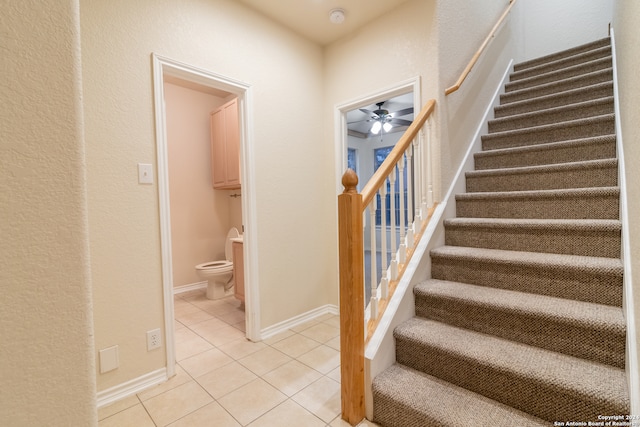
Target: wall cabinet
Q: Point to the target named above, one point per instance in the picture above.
(238, 270)
(225, 147)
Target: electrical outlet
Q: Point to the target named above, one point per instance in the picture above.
(154, 339)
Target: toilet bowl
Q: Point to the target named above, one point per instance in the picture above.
(219, 274)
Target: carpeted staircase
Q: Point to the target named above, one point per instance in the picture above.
(522, 322)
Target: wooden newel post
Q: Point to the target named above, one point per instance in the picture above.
(350, 234)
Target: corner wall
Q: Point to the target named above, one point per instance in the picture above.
(46, 355)
(626, 21)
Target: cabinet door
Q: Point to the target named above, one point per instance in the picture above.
(225, 147)
(232, 143)
(218, 151)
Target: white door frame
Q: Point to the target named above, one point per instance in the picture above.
(164, 66)
(340, 117)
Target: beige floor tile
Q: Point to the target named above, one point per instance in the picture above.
(176, 403)
(212, 415)
(367, 423)
(291, 377)
(325, 317)
(264, 360)
(296, 345)
(305, 325)
(323, 359)
(321, 332)
(194, 317)
(322, 398)
(210, 325)
(222, 335)
(240, 348)
(177, 325)
(135, 416)
(332, 321)
(119, 406)
(335, 374)
(182, 307)
(288, 414)
(252, 401)
(181, 377)
(334, 343)
(278, 337)
(339, 422)
(241, 325)
(232, 316)
(188, 344)
(205, 362)
(226, 379)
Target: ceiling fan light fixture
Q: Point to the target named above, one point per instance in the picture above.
(375, 129)
(387, 127)
(336, 16)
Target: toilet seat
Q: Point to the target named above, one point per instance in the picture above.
(214, 265)
(222, 265)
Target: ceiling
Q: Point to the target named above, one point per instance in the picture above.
(358, 125)
(310, 18)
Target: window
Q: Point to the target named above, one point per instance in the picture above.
(379, 155)
(352, 159)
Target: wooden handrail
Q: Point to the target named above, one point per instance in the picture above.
(385, 169)
(475, 58)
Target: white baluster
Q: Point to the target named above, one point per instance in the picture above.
(419, 171)
(430, 166)
(373, 248)
(410, 221)
(426, 168)
(384, 280)
(402, 247)
(393, 273)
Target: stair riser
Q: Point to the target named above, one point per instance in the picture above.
(550, 240)
(557, 153)
(554, 76)
(591, 109)
(603, 125)
(559, 86)
(560, 64)
(544, 179)
(567, 207)
(564, 54)
(540, 399)
(565, 98)
(584, 341)
(570, 283)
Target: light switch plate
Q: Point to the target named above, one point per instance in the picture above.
(145, 173)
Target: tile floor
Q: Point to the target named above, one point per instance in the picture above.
(224, 380)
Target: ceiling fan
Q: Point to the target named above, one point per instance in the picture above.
(384, 119)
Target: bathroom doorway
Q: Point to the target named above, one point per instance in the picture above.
(180, 77)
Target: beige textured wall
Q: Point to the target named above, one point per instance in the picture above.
(200, 215)
(626, 21)
(46, 350)
(293, 164)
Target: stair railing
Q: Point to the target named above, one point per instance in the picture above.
(403, 187)
(478, 53)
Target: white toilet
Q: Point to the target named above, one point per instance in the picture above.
(219, 274)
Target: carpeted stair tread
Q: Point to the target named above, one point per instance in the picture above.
(598, 238)
(591, 331)
(562, 54)
(564, 73)
(583, 278)
(564, 62)
(583, 149)
(580, 203)
(556, 132)
(543, 383)
(590, 173)
(591, 78)
(572, 96)
(594, 107)
(401, 393)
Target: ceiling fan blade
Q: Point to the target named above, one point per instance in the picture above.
(400, 122)
(403, 112)
(358, 121)
(368, 112)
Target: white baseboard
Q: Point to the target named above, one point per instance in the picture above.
(191, 287)
(129, 388)
(298, 320)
